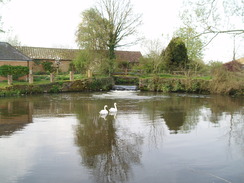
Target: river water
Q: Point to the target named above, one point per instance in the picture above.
(175, 138)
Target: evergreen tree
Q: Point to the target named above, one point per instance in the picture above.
(175, 55)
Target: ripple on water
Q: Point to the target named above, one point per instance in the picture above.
(127, 95)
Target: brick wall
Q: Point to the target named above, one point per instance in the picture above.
(15, 63)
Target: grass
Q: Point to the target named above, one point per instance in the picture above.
(42, 79)
(45, 79)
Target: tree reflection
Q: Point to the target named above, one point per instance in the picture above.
(109, 152)
(14, 115)
(181, 113)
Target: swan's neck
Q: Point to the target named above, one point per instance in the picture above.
(115, 106)
(105, 107)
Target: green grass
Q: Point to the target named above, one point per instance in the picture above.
(203, 77)
(45, 79)
(42, 79)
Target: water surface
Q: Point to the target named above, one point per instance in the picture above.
(152, 138)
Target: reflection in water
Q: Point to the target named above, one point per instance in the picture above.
(109, 155)
(14, 115)
(176, 138)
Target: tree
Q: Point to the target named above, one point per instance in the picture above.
(108, 25)
(175, 55)
(152, 62)
(91, 31)
(1, 31)
(212, 17)
(193, 43)
(215, 17)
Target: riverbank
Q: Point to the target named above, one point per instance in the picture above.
(158, 84)
(191, 85)
(84, 85)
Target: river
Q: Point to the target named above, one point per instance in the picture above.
(154, 137)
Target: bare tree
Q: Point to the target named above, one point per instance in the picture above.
(212, 17)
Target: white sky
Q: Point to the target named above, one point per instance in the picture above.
(52, 23)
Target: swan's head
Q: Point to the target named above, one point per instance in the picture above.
(115, 104)
(105, 106)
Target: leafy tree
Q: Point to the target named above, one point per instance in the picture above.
(48, 66)
(108, 25)
(94, 61)
(91, 31)
(175, 55)
(193, 42)
(83, 61)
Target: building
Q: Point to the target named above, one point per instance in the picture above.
(32, 57)
(12, 56)
(62, 58)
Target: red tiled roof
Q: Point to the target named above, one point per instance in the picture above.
(70, 54)
(49, 53)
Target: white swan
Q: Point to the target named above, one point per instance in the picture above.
(113, 109)
(104, 111)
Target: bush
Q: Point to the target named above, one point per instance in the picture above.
(226, 82)
(48, 66)
(15, 71)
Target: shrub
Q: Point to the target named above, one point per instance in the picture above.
(48, 66)
(15, 71)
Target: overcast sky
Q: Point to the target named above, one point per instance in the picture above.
(52, 23)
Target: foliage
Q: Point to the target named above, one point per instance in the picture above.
(48, 66)
(198, 67)
(83, 61)
(15, 71)
(91, 32)
(224, 81)
(95, 61)
(105, 26)
(167, 85)
(145, 65)
(193, 43)
(126, 80)
(175, 55)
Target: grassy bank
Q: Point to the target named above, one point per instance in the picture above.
(223, 83)
(84, 85)
(227, 85)
(167, 85)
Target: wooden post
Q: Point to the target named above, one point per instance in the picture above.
(89, 73)
(30, 77)
(71, 75)
(10, 79)
(51, 77)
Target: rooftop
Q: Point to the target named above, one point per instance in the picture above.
(70, 54)
(8, 52)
